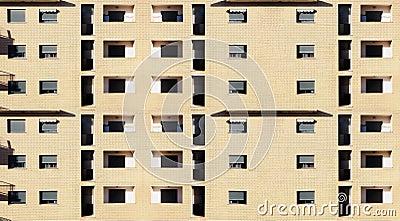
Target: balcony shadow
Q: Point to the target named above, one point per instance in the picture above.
(39, 4)
(272, 4)
(5, 151)
(5, 41)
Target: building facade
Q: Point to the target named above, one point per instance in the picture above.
(195, 110)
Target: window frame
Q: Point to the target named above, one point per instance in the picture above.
(305, 55)
(238, 54)
(235, 12)
(237, 164)
(305, 165)
(15, 88)
(237, 121)
(234, 90)
(305, 91)
(14, 163)
(305, 201)
(48, 165)
(9, 125)
(43, 122)
(299, 12)
(12, 199)
(43, 12)
(48, 55)
(299, 122)
(13, 53)
(48, 91)
(47, 201)
(9, 16)
(237, 201)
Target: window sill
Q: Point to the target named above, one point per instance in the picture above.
(17, 22)
(18, 58)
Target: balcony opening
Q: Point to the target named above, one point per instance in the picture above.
(376, 159)
(118, 123)
(198, 14)
(169, 123)
(370, 123)
(118, 13)
(345, 208)
(119, 85)
(198, 158)
(166, 49)
(166, 84)
(344, 19)
(376, 194)
(87, 129)
(376, 85)
(87, 11)
(344, 91)
(87, 158)
(198, 200)
(87, 55)
(167, 13)
(344, 165)
(166, 159)
(198, 122)
(87, 201)
(198, 54)
(198, 90)
(376, 49)
(344, 55)
(118, 159)
(376, 13)
(166, 194)
(87, 90)
(344, 130)
(119, 49)
(119, 194)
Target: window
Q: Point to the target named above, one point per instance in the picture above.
(17, 87)
(48, 51)
(305, 197)
(48, 126)
(373, 51)
(237, 197)
(238, 51)
(373, 161)
(16, 197)
(48, 15)
(169, 16)
(305, 87)
(171, 126)
(48, 197)
(373, 126)
(237, 87)
(372, 16)
(16, 51)
(237, 126)
(116, 161)
(116, 86)
(16, 126)
(116, 196)
(238, 161)
(305, 161)
(305, 15)
(374, 85)
(305, 51)
(169, 85)
(169, 161)
(237, 15)
(169, 196)
(169, 51)
(48, 87)
(16, 161)
(15, 15)
(374, 195)
(116, 51)
(305, 126)
(116, 16)
(47, 161)
(114, 126)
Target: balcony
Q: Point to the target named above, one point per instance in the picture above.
(119, 85)
(376, 159)
(344, 55)
(376, 49)
(376, 13)
(119, 194)
(198, 159)
(87, 130)
(166, 159)
(87, 11)
(87, 165)
(198, 207)
(119, 49)
(198, 129)
(167, 13)
(87, 90)
(344, 90)
(380, 85)
(118, 13)
(167, 49)
(167, 194)
(118, 159)
(168, 123)
(198, 85)
(167, 84)
(87, 55)
(344, 165)
(4, 79)
(376, 123)
(376, 194)
(198, 55)
(118, 123)
(199, 24)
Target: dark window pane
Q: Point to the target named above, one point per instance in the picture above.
(374, 195)
(373, 161)
(116, 51)
(116, 161)
(116, 196)
(169, 196)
